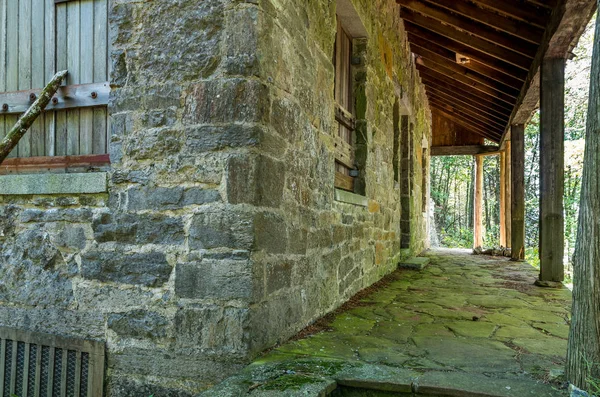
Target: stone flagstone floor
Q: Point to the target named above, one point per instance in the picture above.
(467, 322)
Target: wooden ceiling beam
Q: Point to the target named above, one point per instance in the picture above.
(502, 120)
(464, 150)
(467, 126)
(466, 123)
(514, 58)
(523, 12)
(478, 104)
(502, 102)
(477, 29)
(524, 31)
(458, 47)
(434, 61)
(494, 92)
(466, 109)
(428, 49)
(548, 4)
(466, 117)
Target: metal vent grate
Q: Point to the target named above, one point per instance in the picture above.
(39, 365)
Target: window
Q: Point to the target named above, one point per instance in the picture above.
(344, 111)
(39, 38)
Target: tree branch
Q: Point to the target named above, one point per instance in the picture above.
(28, 118)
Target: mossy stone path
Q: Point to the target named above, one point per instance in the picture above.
(471, 320)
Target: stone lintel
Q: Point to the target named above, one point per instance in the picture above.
(76, 183)
(415, 263)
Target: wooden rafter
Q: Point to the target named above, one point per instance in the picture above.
(423, 47)
(465, 124)
(471, 150)
(485, 107)
(523, 12)
(506, 55)
(434, 69)
(477, 29)
(456, 84)
(458, 47)
(503, 120)
(437, 62)
(467, 110)
(474, 121)
(525, 31)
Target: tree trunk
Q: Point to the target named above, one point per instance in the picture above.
(583, 356)
(28, 118)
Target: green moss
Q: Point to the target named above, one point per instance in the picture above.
(290, 382)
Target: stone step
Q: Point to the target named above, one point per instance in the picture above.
(414, 263)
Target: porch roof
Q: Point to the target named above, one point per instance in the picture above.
(479, 59)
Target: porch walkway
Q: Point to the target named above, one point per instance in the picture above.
(470, 323)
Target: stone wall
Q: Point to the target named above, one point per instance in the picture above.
(321, 250)
(219, 234)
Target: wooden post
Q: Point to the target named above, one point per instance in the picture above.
(508, 194)
(502, 160)
(552, 135)
(517, 220)
(478, 202)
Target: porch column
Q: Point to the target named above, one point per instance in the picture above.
(502, 160)
(552, 134)
(478, 202)
(518, 192)
(508, 190)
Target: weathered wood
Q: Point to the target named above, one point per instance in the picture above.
(517, 157)
(53, 163)
(466, 110)
(502, 198)
(584, 341)
(466, 106)
(485, 130)
(514, 58)
(466, 124)
(522, 30)
(523, 12)
(478, 204)
(424, 47)
(488, 110)
(16, 133)
(436, 62)
(508, 188)
(477, 29)
(463, 150)
(440, 71)
(552, 135)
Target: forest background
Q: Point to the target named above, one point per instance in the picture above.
(452, 177)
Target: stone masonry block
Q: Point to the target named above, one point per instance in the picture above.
(216, 279)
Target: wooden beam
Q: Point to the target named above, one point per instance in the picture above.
(475, 43)
(490, 110)
(436, 70)
(461, 105)
(502, 198)
(456, 84)
(490, 130)
(459, 47)
(467, 150)
(518, 192)
(462, 109)
(478, 204)
(552, 168)
(418, 45)
(477, 29)
(508, 189)
(523, 12)
(489, 18)
(437, 62)
(466, 124)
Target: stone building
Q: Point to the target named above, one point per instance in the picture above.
(215, 176)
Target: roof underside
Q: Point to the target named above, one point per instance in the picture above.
(479, 59)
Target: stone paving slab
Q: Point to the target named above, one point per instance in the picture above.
(464, 326)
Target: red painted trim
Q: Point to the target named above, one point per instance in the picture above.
(19, 165)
